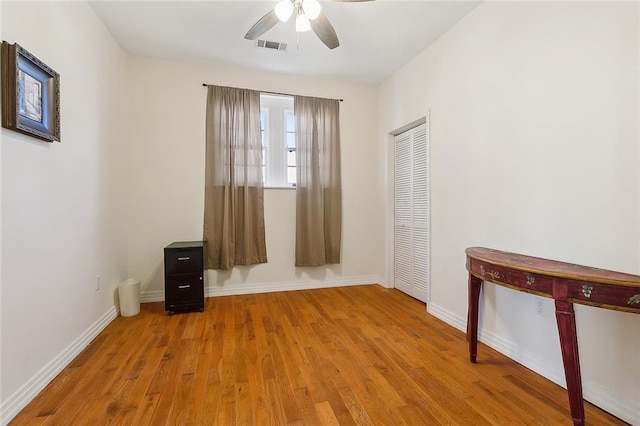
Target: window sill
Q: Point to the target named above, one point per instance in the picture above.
(279, 187)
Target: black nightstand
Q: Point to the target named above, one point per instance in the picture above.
(183, 277)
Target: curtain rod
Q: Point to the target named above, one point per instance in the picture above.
(270, 93)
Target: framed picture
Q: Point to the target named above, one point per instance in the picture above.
(30, 94)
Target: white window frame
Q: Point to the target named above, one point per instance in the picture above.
(288, 149)
(276, 150)
(264, 138)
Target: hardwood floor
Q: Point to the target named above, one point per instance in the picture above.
(350, 355)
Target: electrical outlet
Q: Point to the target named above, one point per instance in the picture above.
(539, 306)
(97, 282)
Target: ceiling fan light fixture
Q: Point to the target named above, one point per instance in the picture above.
(283, 10)
(311, 8)
(302, 23)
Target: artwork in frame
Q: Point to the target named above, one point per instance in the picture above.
(30, 94)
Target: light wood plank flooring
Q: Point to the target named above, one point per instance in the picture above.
(351, 355)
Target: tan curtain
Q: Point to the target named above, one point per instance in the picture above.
(318, 186)
(234, 203)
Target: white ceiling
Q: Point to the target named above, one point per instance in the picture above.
(376, 38)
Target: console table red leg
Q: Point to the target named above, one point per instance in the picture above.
(569, 346)
(475, 284)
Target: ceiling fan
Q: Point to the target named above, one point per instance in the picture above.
(308, 17)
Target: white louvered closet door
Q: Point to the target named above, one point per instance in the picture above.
(411, 239)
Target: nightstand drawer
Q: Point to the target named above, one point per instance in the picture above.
(184, 288)
(183, 260)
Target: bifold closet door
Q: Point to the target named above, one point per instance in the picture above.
(411, 228)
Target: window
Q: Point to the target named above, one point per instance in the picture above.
(277, 125)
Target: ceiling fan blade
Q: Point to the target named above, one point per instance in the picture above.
(263, 25)
(325, 32)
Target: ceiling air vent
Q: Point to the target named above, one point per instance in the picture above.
(273, 45)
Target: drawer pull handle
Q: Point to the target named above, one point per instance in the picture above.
(184, 286)
(184, 258)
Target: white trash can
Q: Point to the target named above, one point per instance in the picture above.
(129, 294)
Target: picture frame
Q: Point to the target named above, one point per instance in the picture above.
(30, 94)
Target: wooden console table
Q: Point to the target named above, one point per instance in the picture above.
(566, 284)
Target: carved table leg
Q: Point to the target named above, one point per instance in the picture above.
(569, 345)
(475, 284)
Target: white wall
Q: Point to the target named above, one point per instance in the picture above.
(534, 149)
(62, 214)
(167, 102)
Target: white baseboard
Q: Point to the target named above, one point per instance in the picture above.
(618, 405)
(255, 288)
(16, 402)
(152, 296)
(448, 317)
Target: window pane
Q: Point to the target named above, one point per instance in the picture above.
(291, 140)
(264, 126)
(291, 175)
(291, 158)
(263, 118)
(291, 122)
